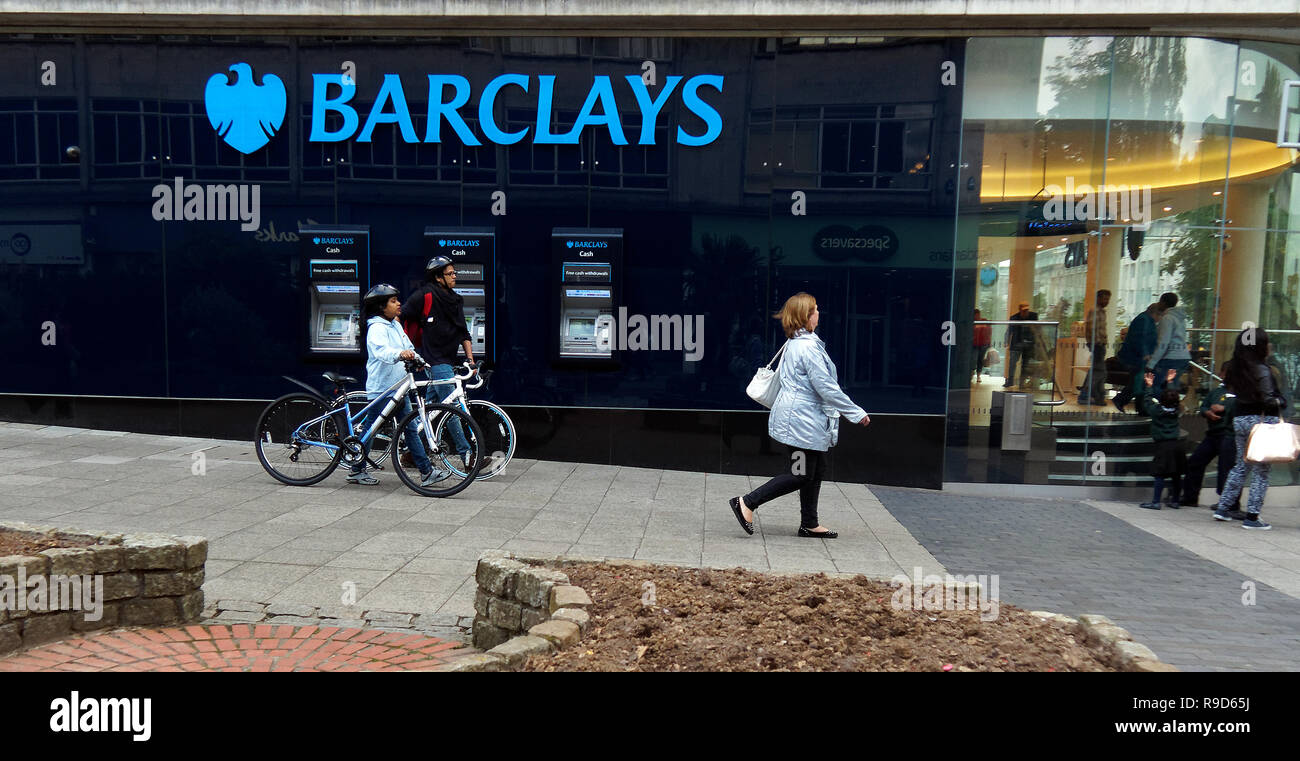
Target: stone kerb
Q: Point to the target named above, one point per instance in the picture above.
(1099, 631)
(117, 580)
(523, 609)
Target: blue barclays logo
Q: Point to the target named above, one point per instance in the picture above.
(586, 244)
(332, 241)
(245, 114)
(600, 109)
(465, 243)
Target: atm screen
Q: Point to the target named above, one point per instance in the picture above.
(582, 326)
(336, 324)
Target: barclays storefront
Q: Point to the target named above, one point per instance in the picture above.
(185, 219)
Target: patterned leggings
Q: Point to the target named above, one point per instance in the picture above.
(1259, 470)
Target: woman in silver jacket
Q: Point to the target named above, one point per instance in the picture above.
(805, 417)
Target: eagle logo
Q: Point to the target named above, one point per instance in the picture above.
(245, 114)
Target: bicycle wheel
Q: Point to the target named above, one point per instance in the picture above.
(294, 454)
(498, 437)
(436, 442)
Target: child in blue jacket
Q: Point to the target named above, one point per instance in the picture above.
(386, 348)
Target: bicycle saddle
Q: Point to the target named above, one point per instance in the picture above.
(338, 380)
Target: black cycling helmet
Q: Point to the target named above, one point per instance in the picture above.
(378, 296)
(435, 267)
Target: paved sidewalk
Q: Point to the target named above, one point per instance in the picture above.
(385, 557)
(1136, 566)
(358, 553)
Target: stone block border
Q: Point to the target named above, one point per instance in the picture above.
(147, 580)
(523, 610)
(441, 625)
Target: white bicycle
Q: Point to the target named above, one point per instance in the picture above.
(498, 429)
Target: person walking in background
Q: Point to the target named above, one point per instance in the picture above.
(1139, 343)
(1170, 352)
(983, 340)
(1259, 400)
(1096, 334)
(1168, 461)
(1020, 346)
(1217, 408)
(804, 417)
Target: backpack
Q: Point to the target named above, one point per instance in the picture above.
(415, 328)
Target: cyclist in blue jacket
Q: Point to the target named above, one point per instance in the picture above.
(386, 347)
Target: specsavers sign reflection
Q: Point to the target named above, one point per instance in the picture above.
(911, 242)
(41, 244)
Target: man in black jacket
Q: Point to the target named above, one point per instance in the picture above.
(443, 331)
(1020, 347)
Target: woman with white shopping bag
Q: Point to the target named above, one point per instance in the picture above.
(805, 417)
(1259, 400)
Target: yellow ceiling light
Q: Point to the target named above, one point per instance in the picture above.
(1018, 172)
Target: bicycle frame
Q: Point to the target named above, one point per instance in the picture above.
(388, 398)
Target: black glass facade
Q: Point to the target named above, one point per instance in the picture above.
(196, 308)
(898, 181)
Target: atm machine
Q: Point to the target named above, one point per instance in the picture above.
(336, 260)
(473, 253)
(589, 264)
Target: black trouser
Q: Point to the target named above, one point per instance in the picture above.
(1135, 391)
(807, 466)
(1095, 385)
(1221, 446)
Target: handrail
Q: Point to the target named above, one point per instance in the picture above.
(1022, 322)
(1206, 371)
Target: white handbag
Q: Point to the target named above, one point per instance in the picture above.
(1273, 442)
(766, 384)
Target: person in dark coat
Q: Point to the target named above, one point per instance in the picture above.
(1020, 345)
(1139, 343)
(1217, 408)
(1259, 400)
(1169, 461)
(443, 331)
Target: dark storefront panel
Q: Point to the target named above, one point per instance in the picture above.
(202, 309)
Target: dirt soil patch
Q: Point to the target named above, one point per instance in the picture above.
(738, 620)
(12, 543)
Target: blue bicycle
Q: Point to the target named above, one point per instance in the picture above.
(301, 437)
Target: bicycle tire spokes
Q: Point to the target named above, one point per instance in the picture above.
(438, 451)
(293, 445)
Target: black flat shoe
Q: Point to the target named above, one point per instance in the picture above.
(735, 508)
(817, 534)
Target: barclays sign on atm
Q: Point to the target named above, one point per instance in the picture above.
(247, 114)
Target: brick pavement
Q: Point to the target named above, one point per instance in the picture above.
(1073, 558)
(240, 647)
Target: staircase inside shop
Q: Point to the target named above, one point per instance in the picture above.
(1123, 443)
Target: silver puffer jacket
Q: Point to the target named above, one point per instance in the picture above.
(807, 409)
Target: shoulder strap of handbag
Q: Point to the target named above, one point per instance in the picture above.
(778, 353)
